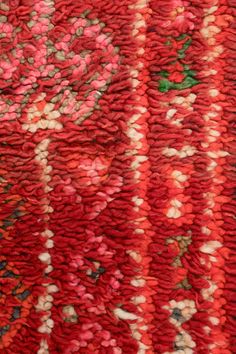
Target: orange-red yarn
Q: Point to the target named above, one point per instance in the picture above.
(117, 170)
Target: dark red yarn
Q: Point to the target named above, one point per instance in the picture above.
(92, 180)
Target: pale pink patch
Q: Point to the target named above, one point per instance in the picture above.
(80, 23)
(40, 27)
(102, 39)
(62, 46)
(6, 69)
(92, 30)
(106, 335)
(97, 84)
(114, 283)
(74, 280)
(180, 17)
(184, 19)
(69, 190)
(86, 335)
(7, 29)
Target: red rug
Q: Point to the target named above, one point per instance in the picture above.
(117, 158)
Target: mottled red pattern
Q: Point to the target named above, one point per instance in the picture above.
(117, 170)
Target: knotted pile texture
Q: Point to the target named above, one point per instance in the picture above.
(117, 158)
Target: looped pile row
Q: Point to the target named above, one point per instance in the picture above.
(117, 157)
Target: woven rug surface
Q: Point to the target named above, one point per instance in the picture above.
(117, 171)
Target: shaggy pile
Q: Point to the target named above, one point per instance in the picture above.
(117, 158)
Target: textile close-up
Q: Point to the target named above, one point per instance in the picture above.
(117, 176)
